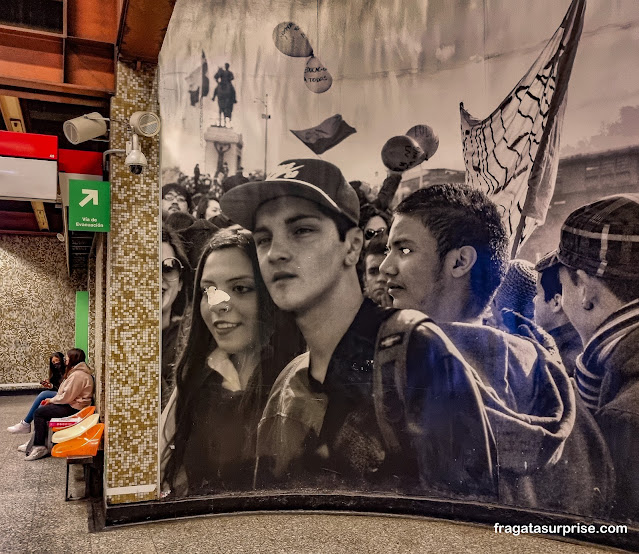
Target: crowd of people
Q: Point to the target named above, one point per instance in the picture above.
(312, 339)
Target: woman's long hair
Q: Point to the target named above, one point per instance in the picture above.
(76, 356)
(280, 338)
(203, 204)
(56, 372)
(181, 301)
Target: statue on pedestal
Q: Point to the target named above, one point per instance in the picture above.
(225, 94)
(222, 148)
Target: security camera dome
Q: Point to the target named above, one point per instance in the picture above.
(136, 162)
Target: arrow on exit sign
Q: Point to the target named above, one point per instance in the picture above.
(91, 196)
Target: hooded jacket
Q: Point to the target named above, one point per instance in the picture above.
(76, 390)
(618, 417)
(550, 451)
(569, 344)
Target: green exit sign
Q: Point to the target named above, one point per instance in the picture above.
(89, 205)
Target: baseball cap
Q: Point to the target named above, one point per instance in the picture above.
(315, 180)
(601, 238)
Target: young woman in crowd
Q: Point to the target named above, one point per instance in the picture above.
(208, 206)
(176, 292)
(74, 394)
(238, 343)
(51, 383)
(374, 222)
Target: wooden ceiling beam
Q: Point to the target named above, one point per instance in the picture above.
(12, 114)
(29, 233)
(41, 215)
(33, 94)
(143, 24)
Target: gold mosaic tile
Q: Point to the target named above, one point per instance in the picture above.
(132, 354)
(38, 306)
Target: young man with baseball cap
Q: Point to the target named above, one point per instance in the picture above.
(598, 258)
(447, 256)
(335, 417)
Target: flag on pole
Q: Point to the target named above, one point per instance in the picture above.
(205, 76)
(512, 155)
(198, 81)
(327, 134)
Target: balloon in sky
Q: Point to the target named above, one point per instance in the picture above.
(290, 40)
(316, 76)
(426, 138)
(401, 153)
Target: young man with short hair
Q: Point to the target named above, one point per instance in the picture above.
(598, 261)
(550, 315)
(374, 283)
(334, 419)
(447, 255)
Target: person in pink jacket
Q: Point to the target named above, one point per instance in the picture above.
(74, 394)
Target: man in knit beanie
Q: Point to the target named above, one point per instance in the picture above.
(516, 292)
(598, 259)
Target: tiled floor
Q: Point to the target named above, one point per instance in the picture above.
(35, 518)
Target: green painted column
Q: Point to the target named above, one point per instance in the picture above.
(82, 321)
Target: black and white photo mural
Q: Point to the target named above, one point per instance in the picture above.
(400, 251)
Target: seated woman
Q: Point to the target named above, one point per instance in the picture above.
(238, 343)
(74, 394)
(56, 372)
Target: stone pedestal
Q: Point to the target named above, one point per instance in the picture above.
(225, 142)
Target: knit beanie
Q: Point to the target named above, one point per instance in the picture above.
(518, 288)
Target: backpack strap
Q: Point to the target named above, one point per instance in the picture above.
(389, 371)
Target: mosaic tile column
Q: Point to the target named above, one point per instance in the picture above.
(97, 336)
(132, 360)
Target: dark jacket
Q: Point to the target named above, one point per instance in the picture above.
(170, 355)
(569, 344)
(326, 435)
(618, 417)
(215, 451)
(551, 454)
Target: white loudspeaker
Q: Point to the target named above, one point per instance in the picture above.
(85, 127)
(146, 124)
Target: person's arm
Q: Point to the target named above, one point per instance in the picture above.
(446, 417)
(388, 190)
(72, 388)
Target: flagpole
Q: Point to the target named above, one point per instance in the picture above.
(265, 117)
(518, 234)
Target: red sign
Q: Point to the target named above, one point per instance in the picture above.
(28, 145)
